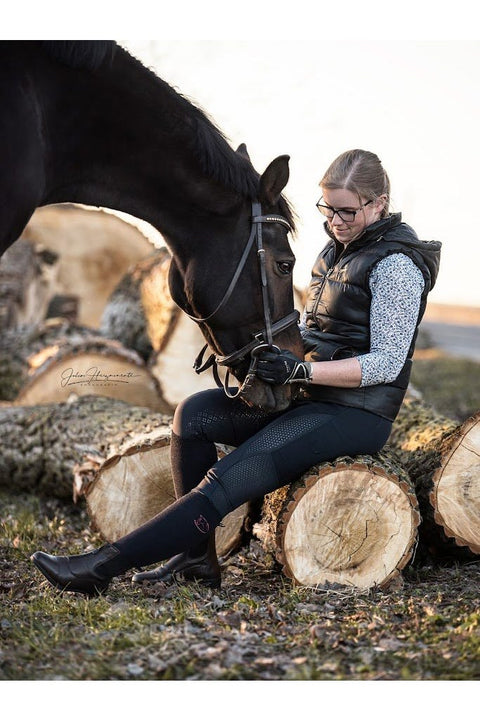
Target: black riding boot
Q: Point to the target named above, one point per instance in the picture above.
(190, 565)
(89, 573)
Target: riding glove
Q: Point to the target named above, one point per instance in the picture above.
(281, 368)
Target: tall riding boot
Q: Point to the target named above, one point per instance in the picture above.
(191, 565)
(89, 573)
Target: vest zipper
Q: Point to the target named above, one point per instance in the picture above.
(319, 290)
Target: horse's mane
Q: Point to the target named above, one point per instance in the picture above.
(217, 158)
(88, 54)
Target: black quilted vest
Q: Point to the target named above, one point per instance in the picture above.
(337, 310)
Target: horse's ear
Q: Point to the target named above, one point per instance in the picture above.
(242, 150)
(274, 180)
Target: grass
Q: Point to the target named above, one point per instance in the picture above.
(257, 627)
(450, 385)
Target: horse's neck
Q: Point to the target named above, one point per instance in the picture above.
(121, 141)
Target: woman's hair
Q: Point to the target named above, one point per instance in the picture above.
(361, 172)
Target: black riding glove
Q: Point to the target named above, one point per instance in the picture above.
(283, 367)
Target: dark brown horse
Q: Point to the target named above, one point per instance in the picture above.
(85, 122)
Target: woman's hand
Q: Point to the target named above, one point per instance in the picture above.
(282, 368)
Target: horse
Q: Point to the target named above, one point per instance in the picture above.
(86, 122)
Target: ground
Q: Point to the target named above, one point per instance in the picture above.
(257, 627)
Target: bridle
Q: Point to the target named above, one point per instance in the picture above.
(262, 339)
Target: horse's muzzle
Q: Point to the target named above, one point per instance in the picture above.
(270, 398)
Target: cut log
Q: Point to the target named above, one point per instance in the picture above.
(442, 458)
(95, 249)
(351, 523)
(49, 363)
(172, 366)
(27, 276)
(55, 450)
(140, 311)
(133, 486)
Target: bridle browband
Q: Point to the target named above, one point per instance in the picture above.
(264, 338)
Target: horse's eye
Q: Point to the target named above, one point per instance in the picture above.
(285, 267)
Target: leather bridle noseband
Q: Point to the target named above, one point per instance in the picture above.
(264, 338)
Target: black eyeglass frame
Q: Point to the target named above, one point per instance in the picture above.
(351, 213)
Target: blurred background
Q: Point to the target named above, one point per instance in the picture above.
(413, 102)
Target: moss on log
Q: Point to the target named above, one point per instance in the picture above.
(55, 449)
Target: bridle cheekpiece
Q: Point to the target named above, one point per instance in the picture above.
(261, 340)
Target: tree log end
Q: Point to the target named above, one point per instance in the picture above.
(349, 524)
(455, 496)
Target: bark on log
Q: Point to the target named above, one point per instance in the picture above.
(142, 315)
(55, 449)
(140, 311)
(49, 363)
(95, 250)
(352, 522)
(442, 458)
(27, 276)
(134, 485)
(115, 455)
(63, 306)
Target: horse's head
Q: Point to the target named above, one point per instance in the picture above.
(240, 287)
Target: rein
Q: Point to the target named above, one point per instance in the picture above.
(264, 338)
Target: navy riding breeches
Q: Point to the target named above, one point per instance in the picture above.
(271, 450)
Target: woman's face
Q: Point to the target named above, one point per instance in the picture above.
(340, 199)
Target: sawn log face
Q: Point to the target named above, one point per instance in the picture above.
(352, 522)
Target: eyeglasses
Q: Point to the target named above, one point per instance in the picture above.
(347, 216)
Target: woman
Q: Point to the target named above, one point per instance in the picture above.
(365, 301)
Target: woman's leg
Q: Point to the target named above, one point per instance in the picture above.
(199, 422)
(308, 434)
(274, 456)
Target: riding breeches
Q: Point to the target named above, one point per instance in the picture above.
(271, 451)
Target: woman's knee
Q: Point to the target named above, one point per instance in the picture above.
(190, 413)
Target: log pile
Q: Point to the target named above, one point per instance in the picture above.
(442, 458)
(86, 403)
(51, 362)
(113, 454)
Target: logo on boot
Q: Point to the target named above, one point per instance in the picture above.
(201, 524)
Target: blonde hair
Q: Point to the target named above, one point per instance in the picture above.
(361, 172)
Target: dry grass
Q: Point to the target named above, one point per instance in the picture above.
(257, 627)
